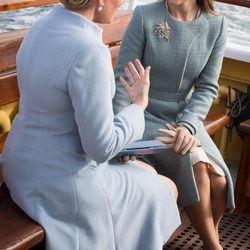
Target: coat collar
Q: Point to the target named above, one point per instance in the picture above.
(77, 19)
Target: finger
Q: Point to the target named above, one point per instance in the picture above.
(166, 131)
(133, 71)
(197, 141)
(133, 157)
(186, 141)
(169, 126)
(147, 73)
(129, 75)
(194, 145)
(190, 144)
(139, 67)
(166, 140)
(124, 83)
(118, 159)
(179, 140)
(125, 158)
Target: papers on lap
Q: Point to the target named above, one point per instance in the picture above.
(143, 148)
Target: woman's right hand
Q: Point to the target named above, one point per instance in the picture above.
(138, 86)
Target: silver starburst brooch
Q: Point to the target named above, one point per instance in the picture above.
(162, 30)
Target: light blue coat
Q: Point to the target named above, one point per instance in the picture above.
(55, 160)
(190, 57)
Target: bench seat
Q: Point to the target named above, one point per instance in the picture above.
(17, 230)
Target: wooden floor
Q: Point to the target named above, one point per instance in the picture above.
(234, 234)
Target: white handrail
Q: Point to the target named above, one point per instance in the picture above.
(131, 4)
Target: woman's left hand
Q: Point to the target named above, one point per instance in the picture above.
(181, 140)
(184, 140)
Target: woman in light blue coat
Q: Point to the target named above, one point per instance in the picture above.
(183, 41)
(57, 160)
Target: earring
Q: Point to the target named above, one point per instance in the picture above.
(100, 7)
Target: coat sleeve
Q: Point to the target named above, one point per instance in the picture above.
(90, 88)
(131, 48)
(206, 86)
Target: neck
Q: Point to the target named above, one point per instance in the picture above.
(186, 11)
(87, 13)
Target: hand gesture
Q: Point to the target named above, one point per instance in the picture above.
(138, 85)
(179, 138)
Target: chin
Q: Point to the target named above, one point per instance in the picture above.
(176, 2)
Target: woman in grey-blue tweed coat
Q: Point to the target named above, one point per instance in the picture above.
(182, 55)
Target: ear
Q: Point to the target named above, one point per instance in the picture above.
(100, 3)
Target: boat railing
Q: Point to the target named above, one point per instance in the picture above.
(19, 4)
(243, 3)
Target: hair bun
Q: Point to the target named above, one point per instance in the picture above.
(75, 4)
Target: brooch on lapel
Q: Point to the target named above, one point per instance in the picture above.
(162, 30)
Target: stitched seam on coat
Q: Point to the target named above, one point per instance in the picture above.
(110, 214)
(142, 23)
(198, 35)
(77, 215)
(76, 108)
(71, 67)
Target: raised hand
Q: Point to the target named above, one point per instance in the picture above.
(139, 82)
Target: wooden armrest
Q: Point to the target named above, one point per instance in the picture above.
(214, 121)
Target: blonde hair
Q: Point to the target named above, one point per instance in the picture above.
(207, 6)
(75, 4)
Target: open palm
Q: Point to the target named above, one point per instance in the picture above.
(138, 86)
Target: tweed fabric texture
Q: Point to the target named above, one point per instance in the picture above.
(184, 82)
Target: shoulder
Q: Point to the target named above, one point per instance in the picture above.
(215, 22)
(216, 28)
(87, 45)
(148, 14)
(88, 41)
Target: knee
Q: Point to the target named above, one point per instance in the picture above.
(218, 182)
(170, 185)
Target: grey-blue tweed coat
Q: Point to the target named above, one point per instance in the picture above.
(190, 57)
